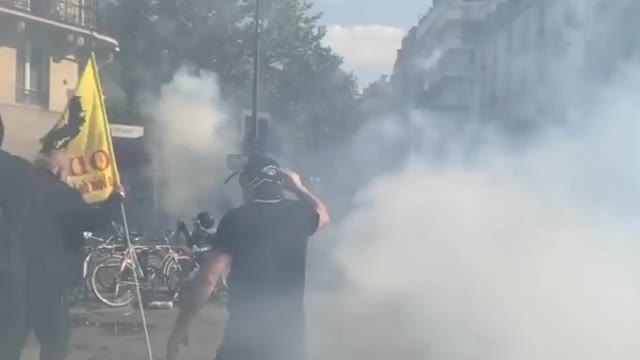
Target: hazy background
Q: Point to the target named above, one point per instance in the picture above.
(471, 246)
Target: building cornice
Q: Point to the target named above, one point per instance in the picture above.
(77, 29)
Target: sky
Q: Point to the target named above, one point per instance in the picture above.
(367, 33)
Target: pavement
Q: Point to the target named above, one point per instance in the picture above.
(338, 328)
(117, 334)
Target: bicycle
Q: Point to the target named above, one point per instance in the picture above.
(96, 249)
(154, 266)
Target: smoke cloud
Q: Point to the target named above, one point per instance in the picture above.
(192, 137)
(490, 251)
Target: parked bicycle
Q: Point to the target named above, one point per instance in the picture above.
(98, 247)
(155, 267)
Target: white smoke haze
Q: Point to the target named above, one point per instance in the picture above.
(192, 140)
(470, 250)
(505, 255)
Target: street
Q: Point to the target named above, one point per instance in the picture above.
(338, 328)
(116, 334)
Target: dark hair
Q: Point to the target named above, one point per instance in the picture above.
(205, 220)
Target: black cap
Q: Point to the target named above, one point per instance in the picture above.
(261, 169)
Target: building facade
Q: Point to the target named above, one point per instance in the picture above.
(525, 47)
(43, 46)
(435, 63)
(495, 59)
(404, 70)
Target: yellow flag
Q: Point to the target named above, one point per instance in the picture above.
(84, 136)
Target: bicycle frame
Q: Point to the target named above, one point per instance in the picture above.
(93, 253)
(130, 257)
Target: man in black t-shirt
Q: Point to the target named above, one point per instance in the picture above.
(264, 242)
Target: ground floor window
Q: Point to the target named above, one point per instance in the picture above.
(32, 75)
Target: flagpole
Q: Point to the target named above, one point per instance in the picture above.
(135, 280)
(117, 180)
(256, 79)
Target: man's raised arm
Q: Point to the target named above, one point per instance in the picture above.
(295, 185)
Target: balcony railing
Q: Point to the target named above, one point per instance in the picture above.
(82, 13)
(449, 62)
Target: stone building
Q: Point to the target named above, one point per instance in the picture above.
(495, 59)
(43, 46)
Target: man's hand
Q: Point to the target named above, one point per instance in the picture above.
(116, 197)
(292, 181)
(179, 337)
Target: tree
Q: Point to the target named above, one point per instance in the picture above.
(302, 85)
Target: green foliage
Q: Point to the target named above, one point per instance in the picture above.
(310, 98)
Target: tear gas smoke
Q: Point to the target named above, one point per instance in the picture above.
(192, 139)
(500, 255)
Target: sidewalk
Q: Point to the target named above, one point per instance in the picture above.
(116, 334)
(338, 328)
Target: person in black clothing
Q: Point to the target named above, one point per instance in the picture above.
(202, 237)
(44, 222)
(203, 230)
(264, 242)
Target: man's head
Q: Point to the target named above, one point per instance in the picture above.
(54, 161)
(261, 179)
(205, 220)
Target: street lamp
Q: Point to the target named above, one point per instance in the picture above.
(252, 143)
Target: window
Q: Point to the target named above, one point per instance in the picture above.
(541, 22)
(500, 64)
(542, 43)
(509, 59)
(32, 76)
(520, 35)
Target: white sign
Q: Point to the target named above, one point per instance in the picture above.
(127, 131)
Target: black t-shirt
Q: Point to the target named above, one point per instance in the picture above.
(43, 220)
(201, 237)
(268, 245)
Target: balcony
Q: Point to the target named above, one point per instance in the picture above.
(453, 95)
(443, 12)
(447, 63)
(81, 13)
(67, 20)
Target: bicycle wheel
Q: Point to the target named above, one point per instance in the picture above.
(106, 281)
(112, 282)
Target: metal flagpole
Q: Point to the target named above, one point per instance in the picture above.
(137, 283)
(256, 82)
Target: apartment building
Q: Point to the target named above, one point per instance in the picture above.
(405, 67)
(492, 59)
(43, 47)
(521, 51)
(435, 63)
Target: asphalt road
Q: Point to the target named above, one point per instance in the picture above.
(116, 334)
(338, 328)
